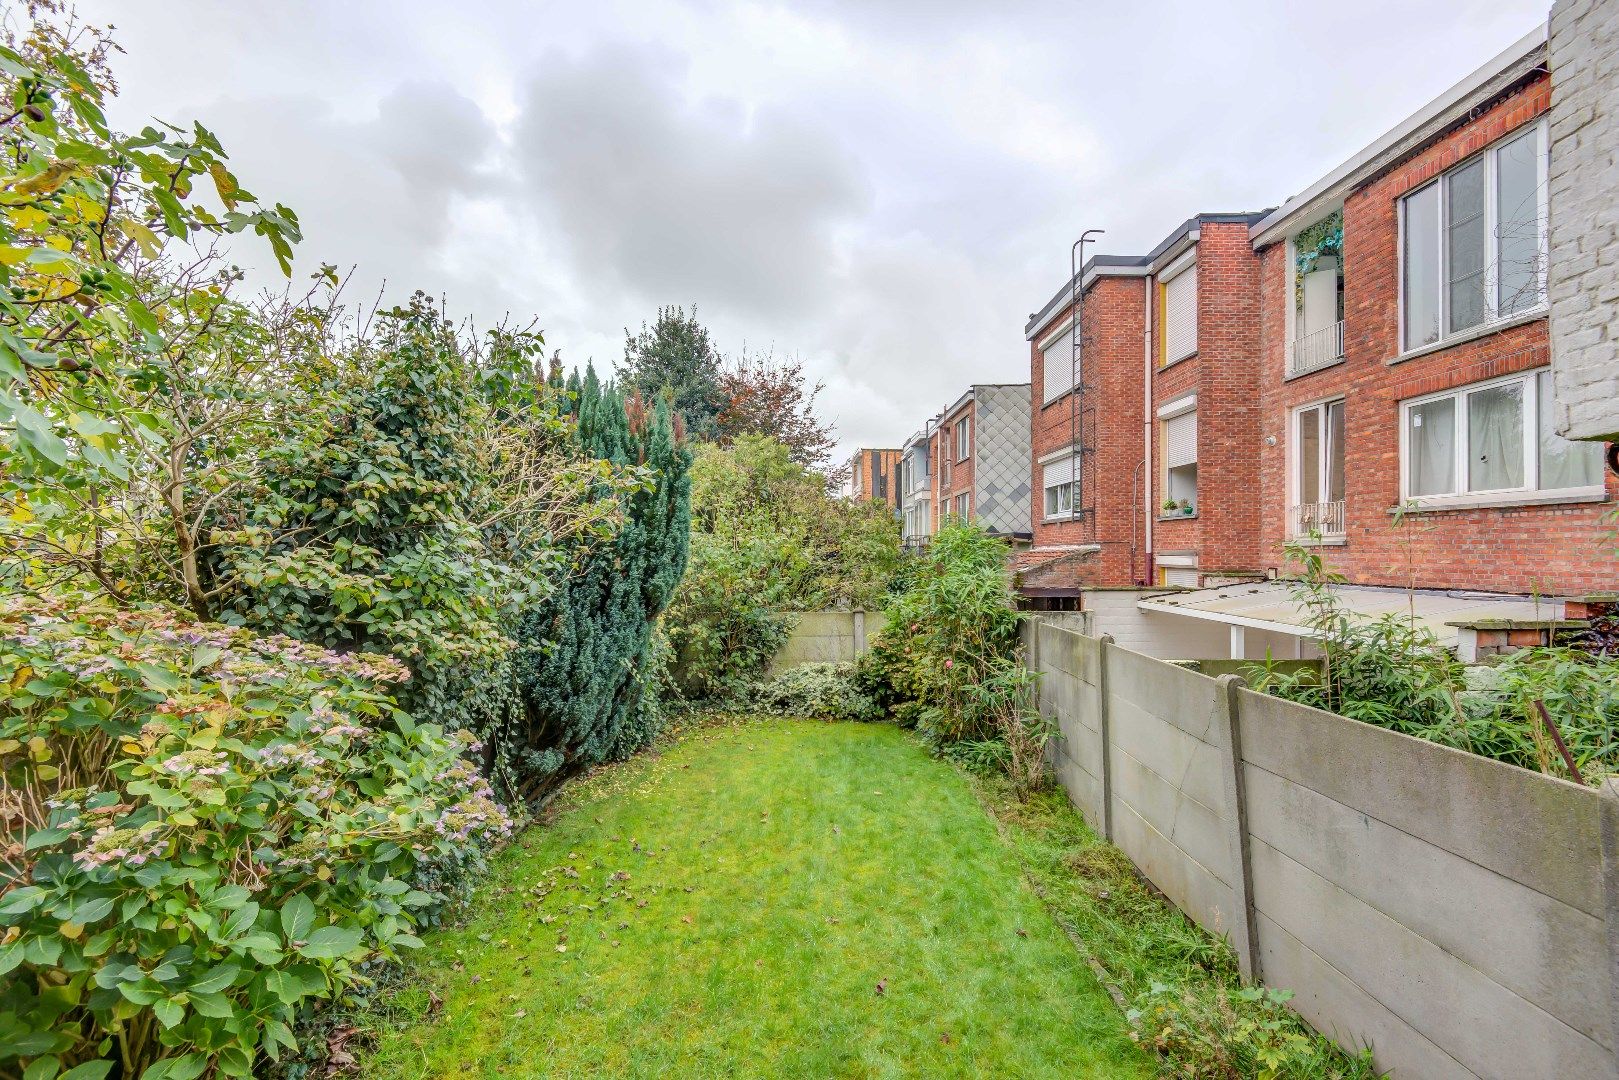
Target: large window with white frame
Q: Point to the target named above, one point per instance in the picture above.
(1059, 487)
(1180, 311)
(1493, 441)
(1178, 437)
(1059, 357)
(964, 438)
(1473, 242)
(1317, 507)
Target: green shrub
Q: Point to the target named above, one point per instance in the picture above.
(204, 831)
(824, 691)
(951, 633)
(768, 540)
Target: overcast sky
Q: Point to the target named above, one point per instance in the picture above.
(883, 189)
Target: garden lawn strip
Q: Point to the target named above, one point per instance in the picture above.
(775, 898)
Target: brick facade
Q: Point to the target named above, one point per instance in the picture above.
(874, 474)
(1108, 416)
(1552, 550)
(1223, 536)
(951, 478)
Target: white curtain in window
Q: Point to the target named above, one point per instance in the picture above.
(1563, 464)
(1421, 264)
(1180, 315)
(1495, 438)
(1431, 448)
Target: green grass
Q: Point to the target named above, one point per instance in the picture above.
(801, 900)
(1182, 983)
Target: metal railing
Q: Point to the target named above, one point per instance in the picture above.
(1314, 351)
(1324, 519)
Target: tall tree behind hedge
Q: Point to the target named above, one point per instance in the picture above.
(675, 358)
(588, 664)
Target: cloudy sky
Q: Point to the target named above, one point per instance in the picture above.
(883, 188)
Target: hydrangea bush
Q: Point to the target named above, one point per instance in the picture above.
(203, 831)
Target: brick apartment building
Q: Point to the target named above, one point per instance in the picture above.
(1415, 435)
(978, 450)
(1365, 369)
(1170, 337)
(874, 475)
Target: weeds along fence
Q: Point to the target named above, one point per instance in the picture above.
(1458, 915)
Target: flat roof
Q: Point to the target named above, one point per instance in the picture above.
(1269, 605)
(1128, 265)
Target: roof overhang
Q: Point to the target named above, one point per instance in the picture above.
(1325, 195)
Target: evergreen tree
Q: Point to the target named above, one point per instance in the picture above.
(588, 664)
(675, 359)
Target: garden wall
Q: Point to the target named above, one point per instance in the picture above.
(1452, 912)
(825, 637)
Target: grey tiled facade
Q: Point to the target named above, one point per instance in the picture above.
(1001, 470)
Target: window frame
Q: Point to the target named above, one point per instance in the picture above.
(1295, 483)
(1530, 492)
(1176, 270)
(1493, 318)
(961, 437)
(1065, 457)
(1062, 334)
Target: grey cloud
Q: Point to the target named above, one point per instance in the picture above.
(675, 200)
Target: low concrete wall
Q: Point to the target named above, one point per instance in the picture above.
(1452, 912)
(825, 637)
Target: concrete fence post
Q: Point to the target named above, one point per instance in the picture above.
(1244, 938)
(1105, 733)
(1610, 890)
(859, 633)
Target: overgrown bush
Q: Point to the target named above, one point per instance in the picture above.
(768, 540)
(1391, 671)
(829, 691)
(951, 632)
(203, 831)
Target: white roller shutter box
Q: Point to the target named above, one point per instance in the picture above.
(1180, 440)
(1058, 360)
(1059, 472)
(1180, 315)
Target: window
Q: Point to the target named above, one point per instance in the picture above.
(1180, 315)
(1057, 480)
(1492, 439)
(1178, 424)
(964, 437)
(963, 506)
(1473, 242)
(1318, 470)
(1058, 359)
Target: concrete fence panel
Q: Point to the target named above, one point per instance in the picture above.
(1459, 915)
(822, 637)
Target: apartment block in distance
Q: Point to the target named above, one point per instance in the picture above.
(873, 475)
(916, 488)
(979, 450)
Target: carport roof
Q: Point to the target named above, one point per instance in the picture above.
(1269, 605)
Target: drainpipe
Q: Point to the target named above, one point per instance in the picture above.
(1147, 498)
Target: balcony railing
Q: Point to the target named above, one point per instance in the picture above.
(1324, 519)
(1314, 351)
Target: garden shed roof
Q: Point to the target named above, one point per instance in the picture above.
(1269, 605)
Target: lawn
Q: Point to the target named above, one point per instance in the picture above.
(778, 898)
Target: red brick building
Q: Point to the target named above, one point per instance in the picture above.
(1160, 431)
(1405, 400)
(874, 475)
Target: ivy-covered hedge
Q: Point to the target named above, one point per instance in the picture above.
(202, 831)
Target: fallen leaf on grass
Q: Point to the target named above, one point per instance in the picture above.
(882, 987)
